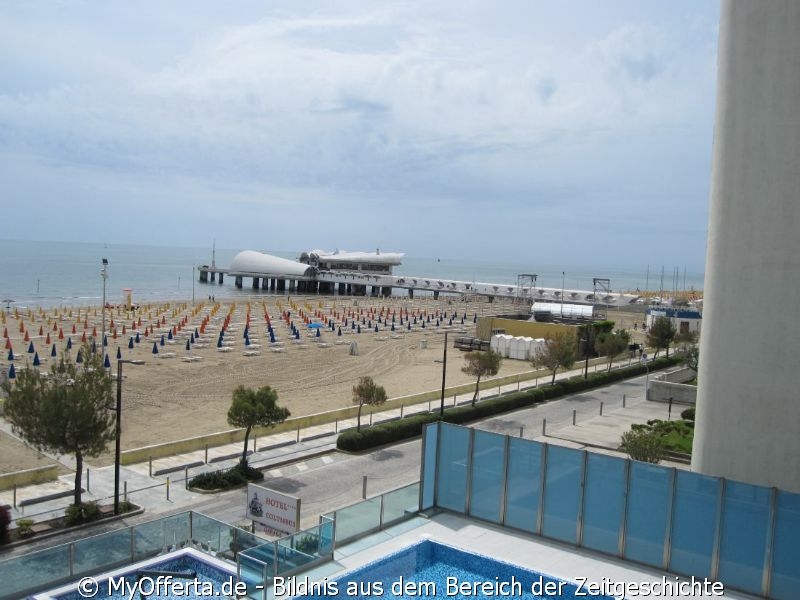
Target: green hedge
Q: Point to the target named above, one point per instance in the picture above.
(226, 479)
(403, 429)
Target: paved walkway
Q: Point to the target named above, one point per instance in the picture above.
(282, 456)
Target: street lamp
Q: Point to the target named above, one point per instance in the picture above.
(104, 275)
(118, 435)
(563, 275)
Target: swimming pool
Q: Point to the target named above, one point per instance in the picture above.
(430, 569)
(213, 577)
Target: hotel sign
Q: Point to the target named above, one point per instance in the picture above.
(278, 513)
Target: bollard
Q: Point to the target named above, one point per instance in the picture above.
(88, 486)
(455, 399)
(254, 442)
(536, 382)
(186, 478)
(574, 414)
(15, 495)
(429, 405)
(125, 490)
(601, 408)
(364, 487)
(669, 416)
(499, 393)
(206, 458)
(370, 419)
(520, 431)
(518, 378)
(336, 425)
(402, 406)
(623, 400)
(298, 435)
(544, 426)
(167, 484)
(150, 463)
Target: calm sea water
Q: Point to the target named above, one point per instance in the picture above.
(65, 273)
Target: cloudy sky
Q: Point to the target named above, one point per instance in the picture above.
(575, 132)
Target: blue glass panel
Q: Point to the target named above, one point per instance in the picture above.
(693, 524)
(562, 493)
(744, 534)
(603, 503)
(524, 483)
(429, 466)
(451, 484)
(487, 475)
(648, 506)
(786, 549)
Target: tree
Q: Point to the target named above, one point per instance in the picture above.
(644, 445)
(65, 412)
(481, 364)
(661, 334)
(612, 344)
(557, 353)
(251, 408)
(367, 392)
(689, 350)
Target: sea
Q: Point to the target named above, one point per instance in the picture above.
(53, 274)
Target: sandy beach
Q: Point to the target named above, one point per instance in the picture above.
(170, 397)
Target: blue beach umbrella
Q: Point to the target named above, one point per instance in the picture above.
(105, 341)
(246, 341)
(155, 348)
(107, 362)
(169, 335)
(30, 348)
(271, 337)
(352, 325)
(296, 335)
(94, 346)
(79, 358)
(137, 339)
(119, 353)
(318, 333)
(409, 327)
(12, 373)
(36, 362)
(69, 343)
(219, 343)
(376, 329)
(163, 341)
(191, 338)
(130, 343)
(392, 325)
(53, 352)
(340, 332)
(315, 325)
(188, 345)
(359, 329)
(246, 332)
(196, 333)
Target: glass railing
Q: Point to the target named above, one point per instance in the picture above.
(375, 513)
(59, 565)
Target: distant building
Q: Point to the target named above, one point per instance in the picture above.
(372, 263)
(685, 320)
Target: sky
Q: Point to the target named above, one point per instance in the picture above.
(575, 132)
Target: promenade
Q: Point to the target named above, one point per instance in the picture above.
(326, 479)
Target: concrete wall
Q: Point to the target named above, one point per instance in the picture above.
(28, 477)
(748, 417)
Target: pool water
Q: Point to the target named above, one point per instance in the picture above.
(430, 569)
(185, 563)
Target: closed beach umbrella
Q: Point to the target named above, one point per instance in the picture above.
(105, 341)
(94, 347)
(318, 333)
(162, 342)
(30, 348)
(10, 355)
(155, 348)
(119, 353)
(191, 338)
(246, 341)
(169, 335)
(36, 362)
(69, 343)
(196, 333)
(79, 358)
(130, 343)
(392, 325)
(376, 329)
(12, 373)
(409, 327)
(296, 334)
(188, 345)
(271, 336)
(219, 343)
(107, 362)
(340, 332)
(137, 339)
(359, 329)
(423, 324)
(53, 352)
(475, 318)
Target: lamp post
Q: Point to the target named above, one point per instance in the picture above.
(118, 435)
(444, 375)
(104, 275)
(563, 275)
